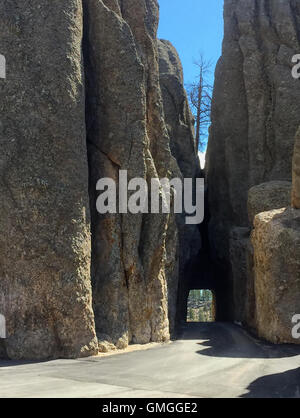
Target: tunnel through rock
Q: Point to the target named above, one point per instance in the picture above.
(201, 306)
(138, 119)
(123, 103)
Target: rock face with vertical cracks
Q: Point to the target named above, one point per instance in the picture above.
(45, 291)
(276, 267)
(82, 100)
(180, 125)
(255, 115)
(135, 258)
(178, 117)
(276, 243)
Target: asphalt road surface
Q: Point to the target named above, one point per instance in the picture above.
(209, 360)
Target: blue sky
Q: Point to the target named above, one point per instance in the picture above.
(192, 26)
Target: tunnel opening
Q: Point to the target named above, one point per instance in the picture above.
(201, 306)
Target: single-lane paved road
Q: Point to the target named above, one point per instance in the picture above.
(209, 360)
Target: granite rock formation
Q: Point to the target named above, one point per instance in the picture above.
(178, 117)
(276, 263)
(276, 243)
(82, 100)
(255, 115)
(241, 286)
(180, 125)
(45, 249)
(126, 131)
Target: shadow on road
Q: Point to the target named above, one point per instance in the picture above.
(280, 385)
(229, 340)
(4, 362)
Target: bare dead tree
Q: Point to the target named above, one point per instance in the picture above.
(200, 97)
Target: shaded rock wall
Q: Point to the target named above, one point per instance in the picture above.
(240, 261)
(255, 115)
(180, 125)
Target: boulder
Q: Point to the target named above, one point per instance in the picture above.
(268, 196)
(276, 243)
